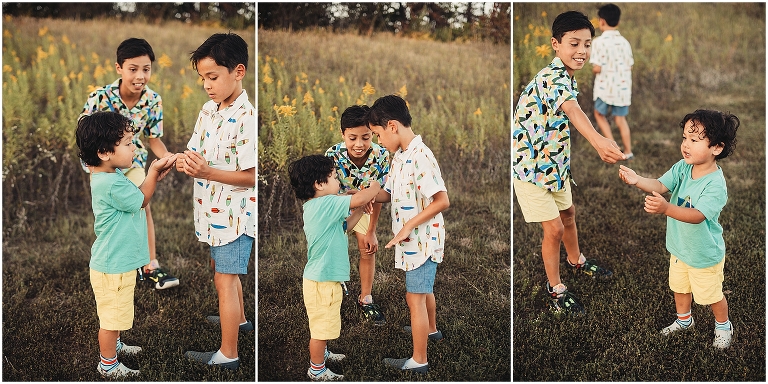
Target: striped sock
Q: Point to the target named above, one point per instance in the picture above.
(119, 345)
(723, 326)
(316, 369)
(684, 319)
(108, 364)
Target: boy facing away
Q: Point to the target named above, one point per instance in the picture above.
(612, 65)
(131, 97)
(694, 235)
(105, 145)
(326, 217)
(416, 189)
(358, 161)
(542, 154)
(221, 157)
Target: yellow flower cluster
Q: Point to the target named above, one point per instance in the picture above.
(368, 89)
(164, 61)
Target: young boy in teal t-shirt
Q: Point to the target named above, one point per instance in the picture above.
(694, 235)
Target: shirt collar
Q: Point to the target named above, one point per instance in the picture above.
(411, 146)
(611, 32)
(230, 110)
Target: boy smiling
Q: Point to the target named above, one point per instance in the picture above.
(542, 147)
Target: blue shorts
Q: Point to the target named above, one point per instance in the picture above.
(421, 279)
(232, 258)
(602, 107)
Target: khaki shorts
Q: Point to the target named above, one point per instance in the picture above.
(114, 299)
(323, 302)
(136, 175)
(539, 204)
(706, 284)
(363, 224)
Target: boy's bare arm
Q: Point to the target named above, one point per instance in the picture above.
(645, 184)
(365, 196)
(657, 204)
(607, 149)
(439, 203)
(596, 69)
(158, 147)
(383, 196)
(354, 217)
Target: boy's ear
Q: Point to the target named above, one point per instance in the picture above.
(104, 156)
(117, 67)
(718, 149)
(239, 72)
(392, 125)
(555, 44)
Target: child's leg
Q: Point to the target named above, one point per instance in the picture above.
(417, 305)
(367, 267)
(570, 234)
(605, 126)
(317, 351)
(720, 310)
(621, 122)
(230, 312)
(432, 312)
(550, 249)
(683, 302)
(108, 342)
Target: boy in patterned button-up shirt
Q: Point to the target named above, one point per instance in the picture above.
(542, 153)
(358, 161)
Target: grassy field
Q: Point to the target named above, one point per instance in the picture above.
(618, 339)
(459, 99)
(49, 315)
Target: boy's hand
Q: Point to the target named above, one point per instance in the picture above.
(628, 175)
(163, 166)
(371, 243)
(181, 161)
(195, 165)
(656, 203)
(402, 235)
(608, 150)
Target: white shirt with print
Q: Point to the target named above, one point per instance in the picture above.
(613, 85)
(227, 141)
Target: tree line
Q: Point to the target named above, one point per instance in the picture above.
(231, 15)
(439, 21)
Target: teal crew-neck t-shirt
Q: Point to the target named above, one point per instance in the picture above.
(120, 224)
(698, 245)
(327, 247)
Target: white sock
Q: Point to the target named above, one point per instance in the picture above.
(411, 363)
(219, 358)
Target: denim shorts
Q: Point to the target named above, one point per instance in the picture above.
(421, 279)
(233, 258)
(602, 107)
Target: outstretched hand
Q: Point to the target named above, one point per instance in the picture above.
(193, 164)
(609, 151)
(163, 165)
(656, 203)
(628, 175)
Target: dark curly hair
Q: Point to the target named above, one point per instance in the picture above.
(718, 127)
(99, 133)
(307, 171)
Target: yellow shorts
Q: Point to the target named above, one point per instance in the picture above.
(114, 299)
(323, 302)
(706, 284)
(136, 175)
(539, 204)
(362, 225)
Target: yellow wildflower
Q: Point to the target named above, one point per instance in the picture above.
(544, 14)
(320, 91)
(65, 40)
(186, 91)
(308, 98)
(317, 81)
(668, 38)
(286, 110)
(91, 88)
(7, 34)
(341, 79)
(7, 68)
(403, 91)
(335, 109)
(42, 31)
(267, 79)
(439, 98)
(99, 72)
(182, 71)
(266, 68)
(286, 99)
(94, 58)
(543, 50)
(530, 26)
(164, 61)
(595, 22)
(293, 102)
(368, 89)
(478, 112)
(65, 80)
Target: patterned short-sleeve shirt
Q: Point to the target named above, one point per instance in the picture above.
(353, 177)
(413, 179)
(541, 139)
(227, 140)
(613, 85)
(146, 115)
